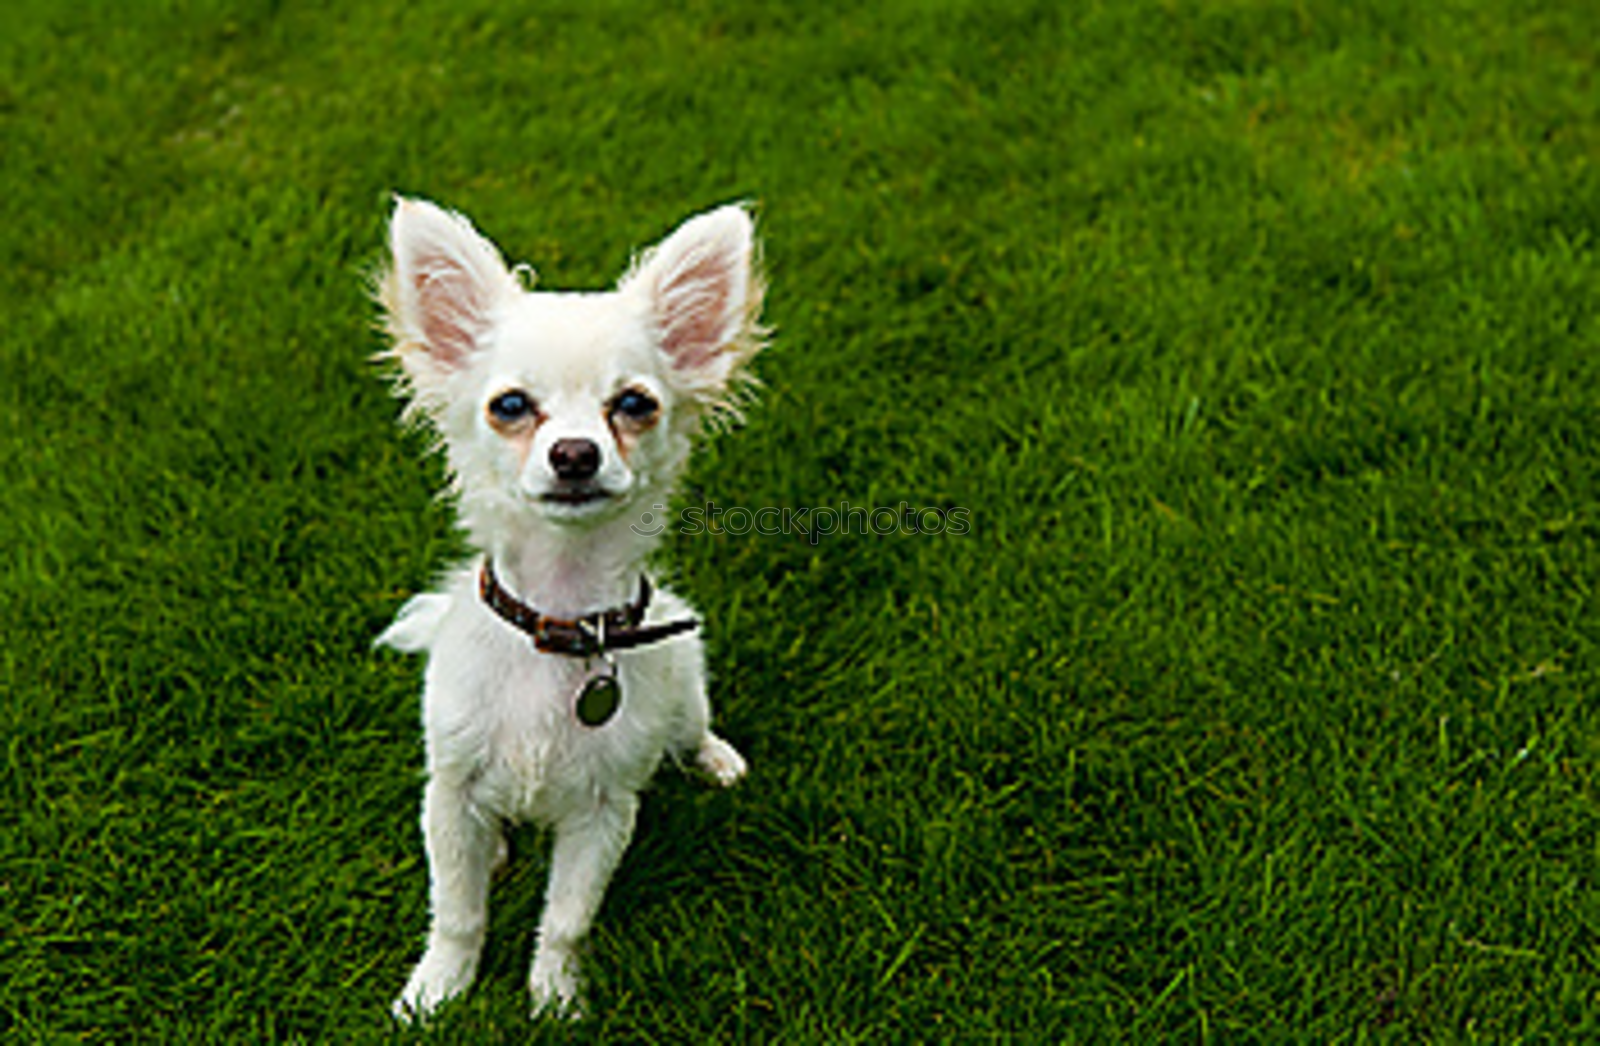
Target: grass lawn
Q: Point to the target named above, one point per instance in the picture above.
(1260, 341)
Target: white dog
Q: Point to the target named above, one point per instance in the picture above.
(557, 675)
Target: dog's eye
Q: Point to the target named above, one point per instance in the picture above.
(635, 405)
(508, 408)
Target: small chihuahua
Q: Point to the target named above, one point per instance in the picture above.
(558, 675)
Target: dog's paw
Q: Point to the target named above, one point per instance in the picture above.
(553, 984)
(721, 760)
(444, 972)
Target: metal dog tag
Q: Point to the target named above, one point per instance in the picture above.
(598, 700)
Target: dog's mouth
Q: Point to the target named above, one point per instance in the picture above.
(575, 495)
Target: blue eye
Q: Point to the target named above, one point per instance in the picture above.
(635, 405)
(508, 408)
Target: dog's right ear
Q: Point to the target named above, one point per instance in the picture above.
(442, 285)
(702, 290)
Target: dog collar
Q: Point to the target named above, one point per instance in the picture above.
(593, 635)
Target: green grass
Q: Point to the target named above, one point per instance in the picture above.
(1260, 339)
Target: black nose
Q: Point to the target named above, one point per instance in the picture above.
(575, 459)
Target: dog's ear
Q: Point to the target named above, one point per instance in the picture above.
(702, 290)
(443, 282)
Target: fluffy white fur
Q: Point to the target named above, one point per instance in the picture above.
(503, 743)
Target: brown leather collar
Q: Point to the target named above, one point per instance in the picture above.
(592, 635)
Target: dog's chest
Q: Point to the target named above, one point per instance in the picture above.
(532, 757)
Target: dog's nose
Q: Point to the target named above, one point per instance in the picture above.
(575, 459)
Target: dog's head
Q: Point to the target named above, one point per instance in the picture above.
(570, 406)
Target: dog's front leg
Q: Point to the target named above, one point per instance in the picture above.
(461, 843)
(586, 851)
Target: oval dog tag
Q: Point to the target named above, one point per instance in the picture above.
(598, 700)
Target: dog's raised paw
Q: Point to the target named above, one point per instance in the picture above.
(721, 760)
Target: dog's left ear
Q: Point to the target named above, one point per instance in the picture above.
(702, 290)
(443, 284)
